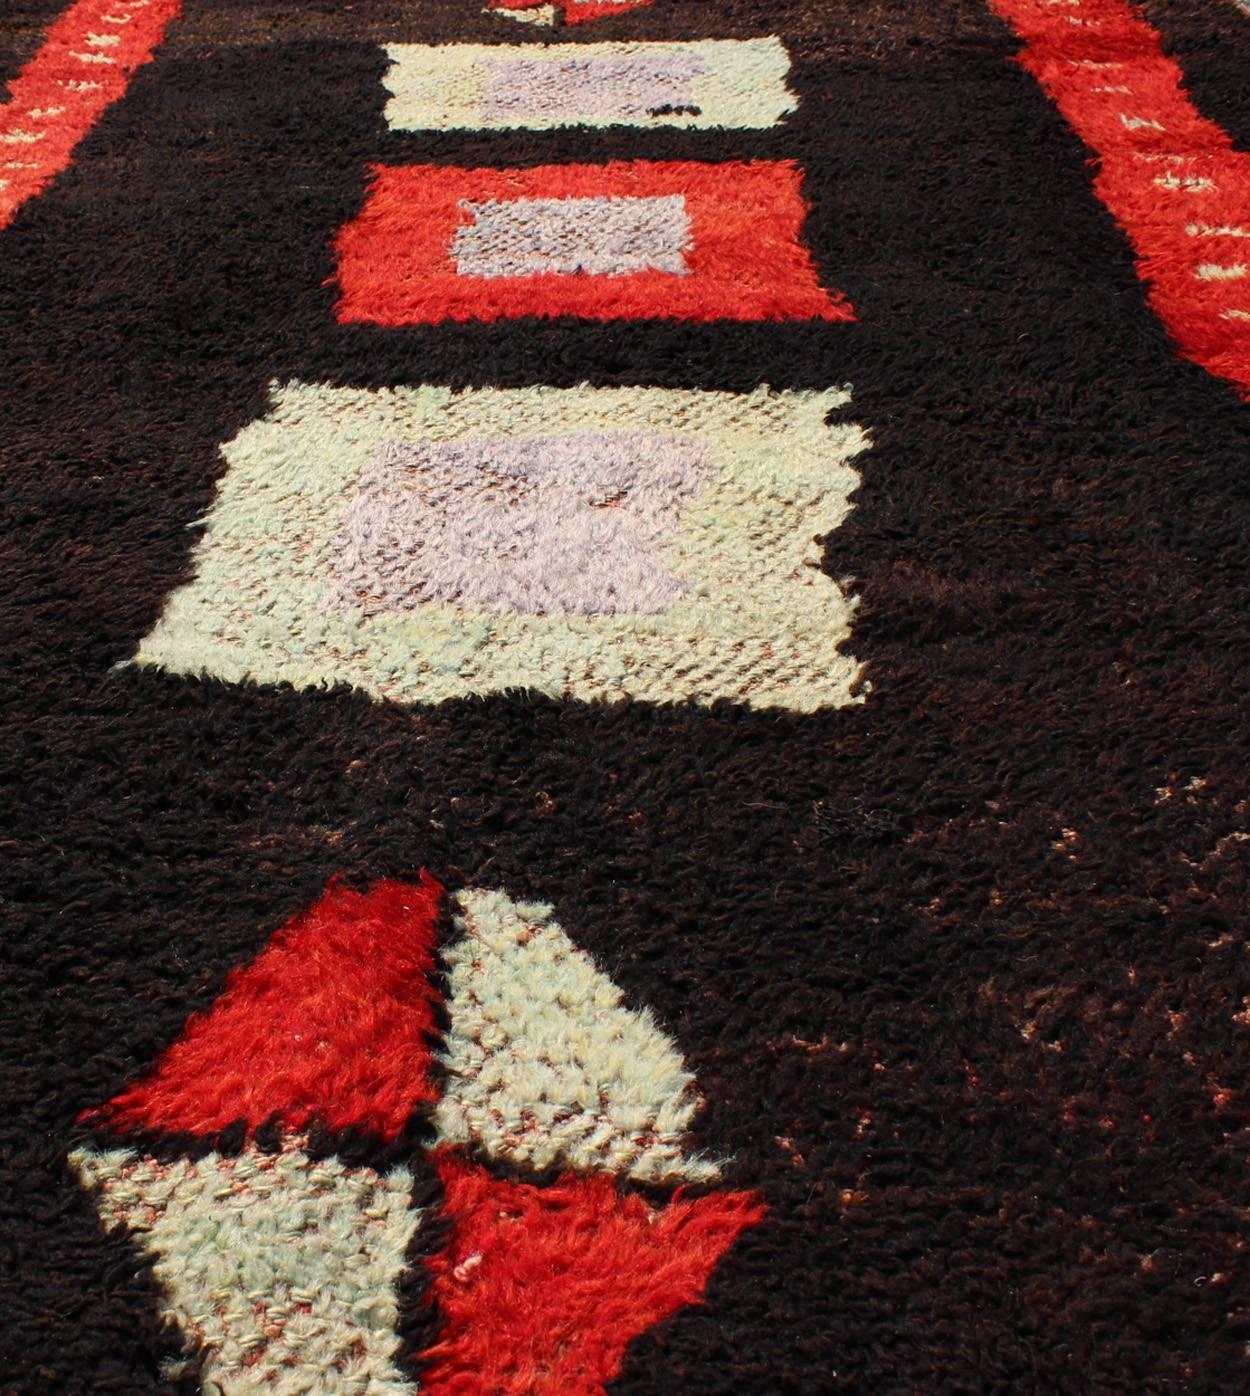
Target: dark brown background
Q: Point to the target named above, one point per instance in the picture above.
(953, 947)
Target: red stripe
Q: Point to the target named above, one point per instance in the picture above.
(1169, 177)
(85, 62)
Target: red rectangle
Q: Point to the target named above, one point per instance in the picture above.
(745, 259)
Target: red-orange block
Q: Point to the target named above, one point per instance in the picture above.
(629, 240)
(542, 1289)
(329, 1024)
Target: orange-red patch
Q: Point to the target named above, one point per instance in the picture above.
(328, 1023)
(542, 1288)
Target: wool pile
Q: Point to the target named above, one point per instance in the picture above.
(626, 629)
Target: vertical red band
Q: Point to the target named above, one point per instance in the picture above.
(85, 62)
(1170, 177)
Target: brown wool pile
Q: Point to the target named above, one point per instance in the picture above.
(623, 739)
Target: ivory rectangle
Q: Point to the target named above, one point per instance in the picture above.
(594, 544)
(734, 83)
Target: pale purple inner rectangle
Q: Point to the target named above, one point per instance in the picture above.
(601, 236)
(626, 86)
(540, 525)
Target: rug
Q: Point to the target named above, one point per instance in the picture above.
(625, 701)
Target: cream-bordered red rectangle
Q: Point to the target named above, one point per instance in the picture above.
(732, 83)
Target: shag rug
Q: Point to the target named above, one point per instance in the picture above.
(625, 697)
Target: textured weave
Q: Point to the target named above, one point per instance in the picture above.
(625, 726)
(699, 83)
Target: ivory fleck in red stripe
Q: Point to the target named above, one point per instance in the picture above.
(85, 62)
(1169, 176)
(569, 11)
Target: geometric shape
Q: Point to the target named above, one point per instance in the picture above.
(569, 11)
(700, 83)
(539, 14)
(757, 620)
(602, 84)
(743, 257)
(328, 1023)
(587, 11)
(596, 237)
(565, 525)
(542, 1289)
(84, 63)
(1169, 177)
(545, 1065)
(280, 1270)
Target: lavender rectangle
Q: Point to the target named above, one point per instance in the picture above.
(602, 236)
(541, 525)
(626, 87)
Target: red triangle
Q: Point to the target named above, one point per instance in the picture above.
(328, 1023)
(587, 13)
(542, 1288)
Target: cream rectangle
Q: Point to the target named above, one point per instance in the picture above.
(750, 615)
(729, 83)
